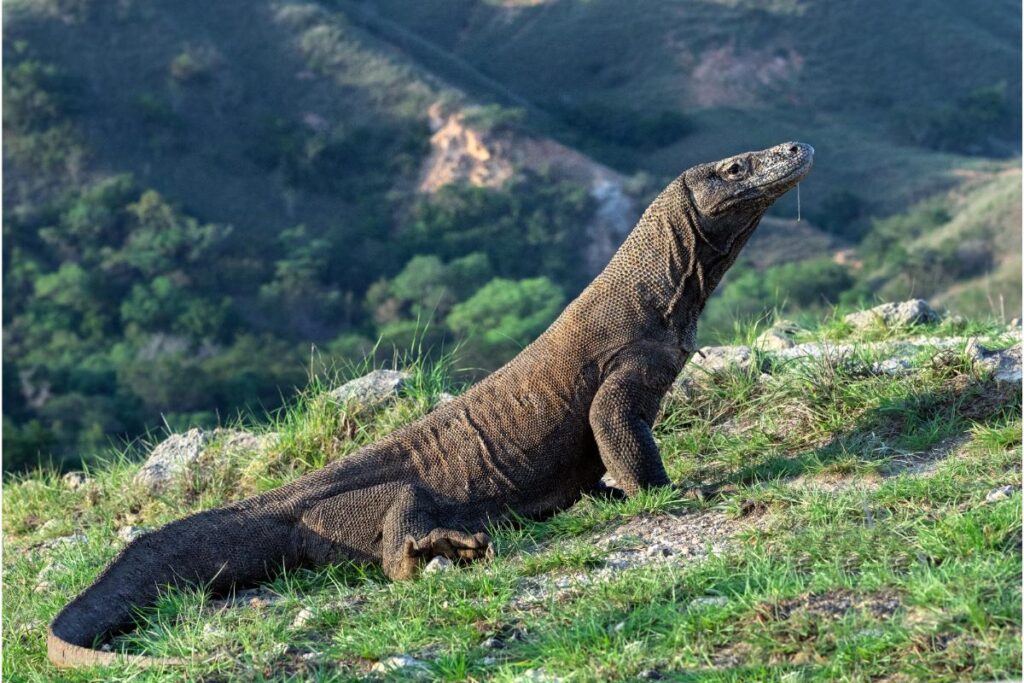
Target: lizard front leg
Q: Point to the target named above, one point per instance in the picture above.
(621, 416)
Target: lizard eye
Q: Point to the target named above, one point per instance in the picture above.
(734, 168)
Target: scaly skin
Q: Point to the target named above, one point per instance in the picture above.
(529, 439)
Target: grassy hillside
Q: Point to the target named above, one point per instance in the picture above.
(202, 201)
(856, 525)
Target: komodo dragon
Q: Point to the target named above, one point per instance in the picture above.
(529, 439)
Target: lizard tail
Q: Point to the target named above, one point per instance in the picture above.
(216, 549)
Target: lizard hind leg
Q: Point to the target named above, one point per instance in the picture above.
(412, 536)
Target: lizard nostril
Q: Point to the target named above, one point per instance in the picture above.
(793, 149)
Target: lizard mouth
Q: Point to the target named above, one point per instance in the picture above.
(786, 166)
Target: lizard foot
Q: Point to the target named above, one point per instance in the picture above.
(454, 545)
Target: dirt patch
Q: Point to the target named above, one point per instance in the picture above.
(832, 605)
(926, 462)
(677, 539)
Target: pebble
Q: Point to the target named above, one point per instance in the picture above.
(438, 564)
(538, 675)
(74, 480)
(130, 533)
(709, 601)
(397, 662)
(304, 616)
(1001, 493)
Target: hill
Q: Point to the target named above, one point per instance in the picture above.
(206, 203)
(853, 513)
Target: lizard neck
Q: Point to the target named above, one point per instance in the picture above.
(667, 268)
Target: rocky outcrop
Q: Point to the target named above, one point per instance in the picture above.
(462, 152)
(371, 390)
(180, 453)
(171, 457)
(896, 315)
(781, 335)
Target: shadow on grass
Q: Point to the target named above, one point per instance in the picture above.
(915, 425)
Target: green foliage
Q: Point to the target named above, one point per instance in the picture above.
(494, 117)
(627, 128)
(504, 315)
(750, 295)
(840, 214)
(355, 164)
(974, 124)
(527, 227)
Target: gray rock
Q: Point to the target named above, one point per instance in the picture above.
(51, 568)
(74, 480)
(892, 366)
(902, 314)
(1005, 365)
(179, 453)
(130, 533)
(372, 390)
(781, 335)
(304, 616)
(235, 441)
(537, 676)
(719, 358)
(173, 456)
(1001, 493)
(709, 601)
(437, 565)
(73, 539)
(405, 663)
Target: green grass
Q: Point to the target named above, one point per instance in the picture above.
(865, 548)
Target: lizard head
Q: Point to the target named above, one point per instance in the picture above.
(730, 196)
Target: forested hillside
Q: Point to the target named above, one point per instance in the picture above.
(204, 203)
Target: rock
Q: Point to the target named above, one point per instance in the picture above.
(538, 675)
(892, 366)
(74, 480)
(437, 565)
(493, 644)
(709, 601)
(903, 314)
(233, 441)
(399, 662)
(304, 616)
(130, 533)
(781, 335)
(1005, 365)
(173, 456)
(73, 539)
(50, 568)
(1001, 493)
(372, 390)
(718, 358)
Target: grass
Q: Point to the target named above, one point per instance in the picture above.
(865, 548)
